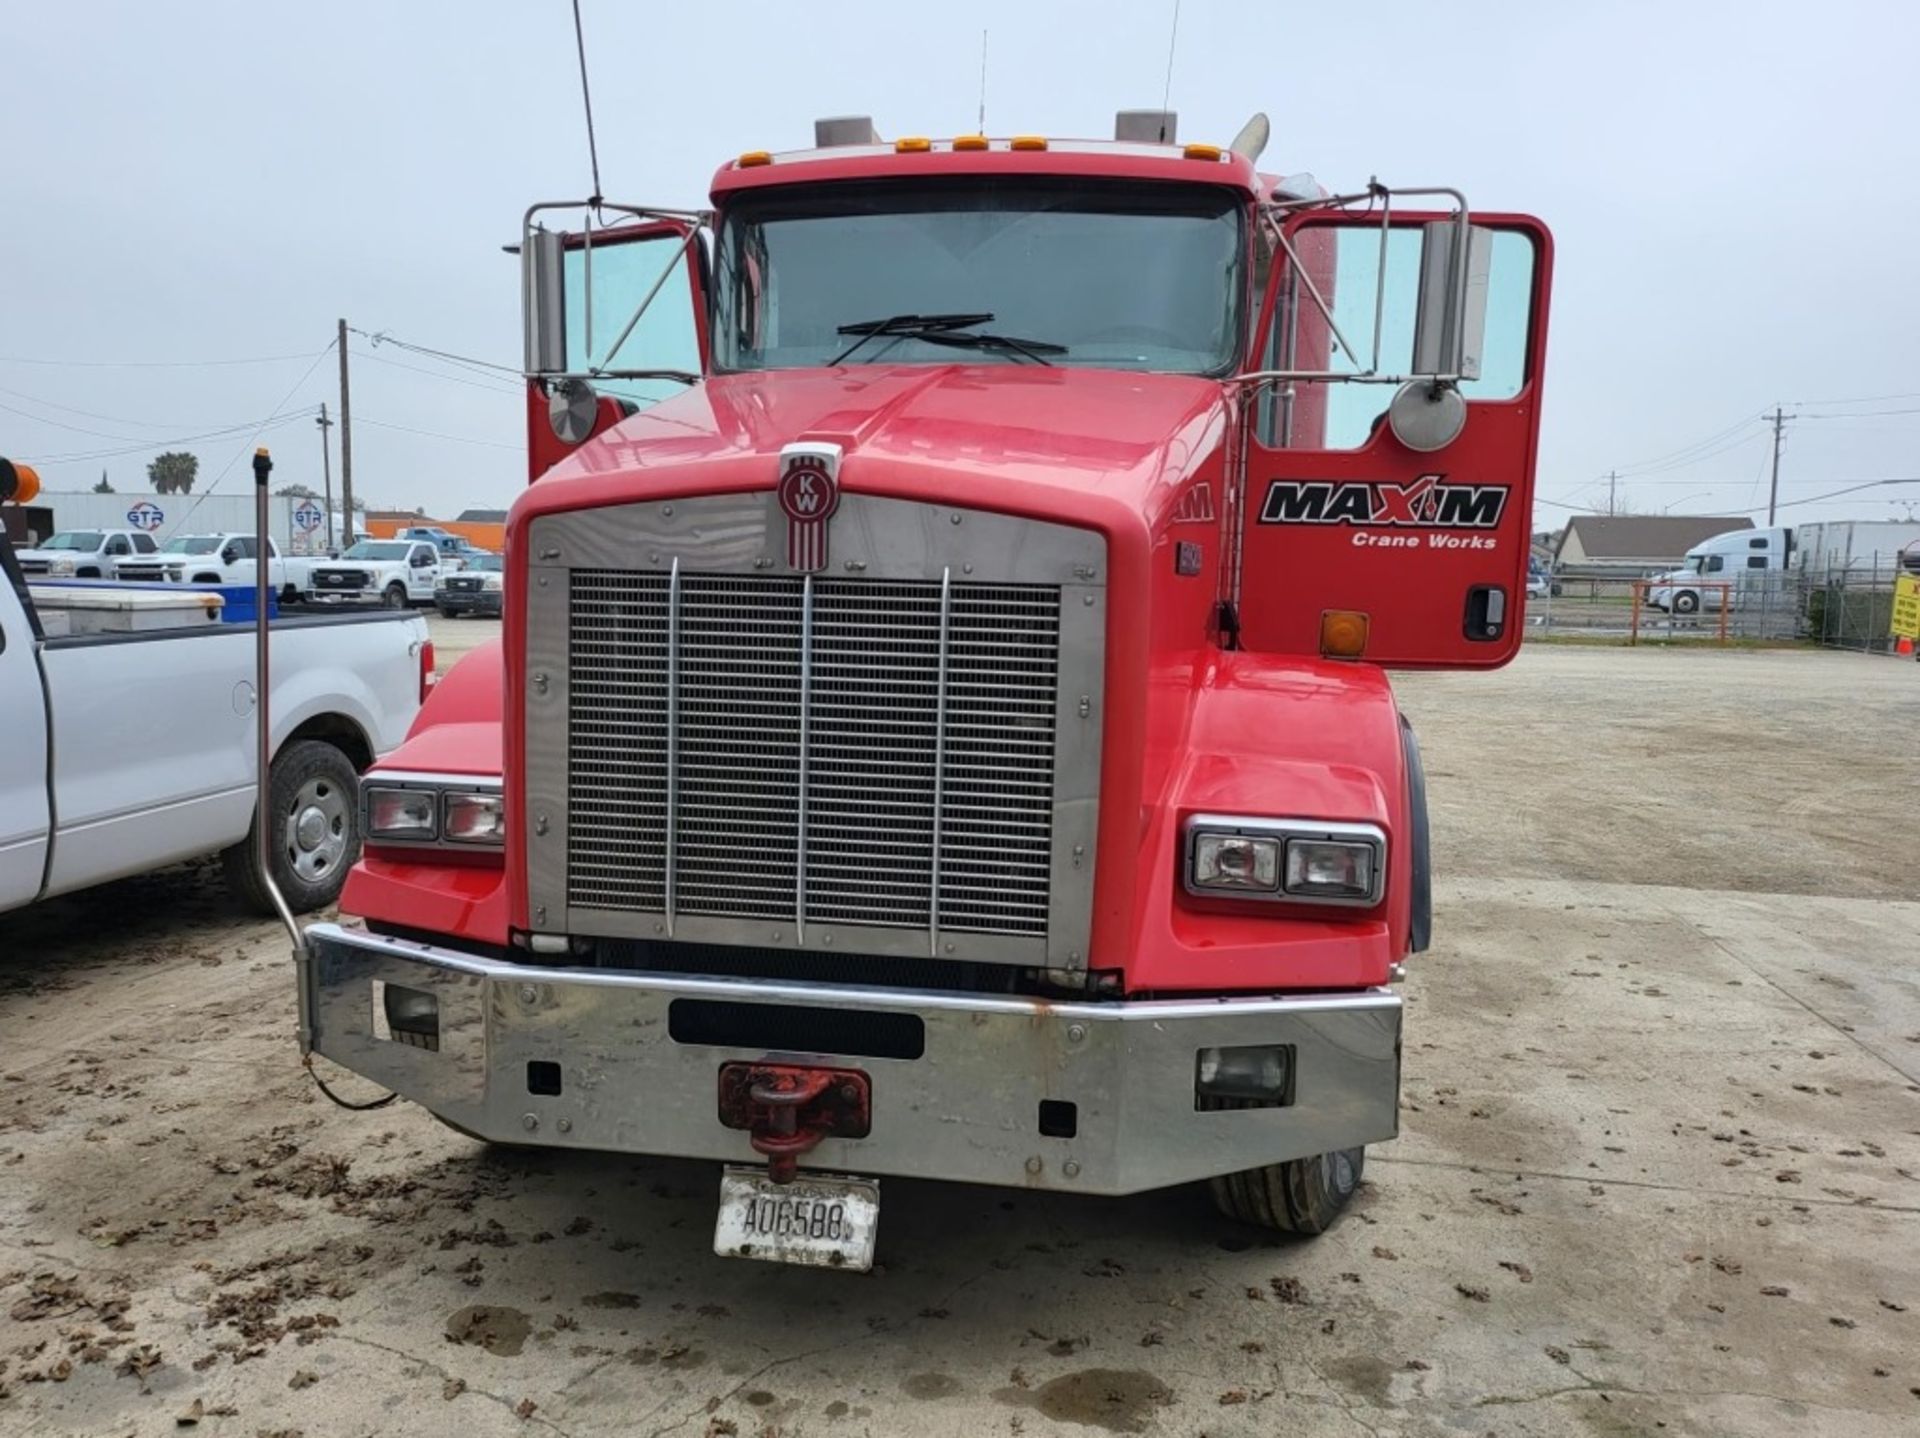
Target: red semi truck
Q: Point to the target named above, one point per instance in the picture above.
(942, 724)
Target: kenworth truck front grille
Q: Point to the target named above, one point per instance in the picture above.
(843, 758)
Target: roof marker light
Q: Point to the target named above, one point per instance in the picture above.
(969, 142)
(1202, 152)
(756, 157)
(912, 145)
(1027, 142)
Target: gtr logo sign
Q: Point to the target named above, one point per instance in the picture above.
(808, 492)
(146, 515)
(1428, 502)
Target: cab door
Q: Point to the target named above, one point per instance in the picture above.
(616, 321)
(1390, 452)
(24, 816)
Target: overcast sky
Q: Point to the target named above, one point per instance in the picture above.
(1729, 184)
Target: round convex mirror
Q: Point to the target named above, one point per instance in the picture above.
(1426, 416)
(572, 407)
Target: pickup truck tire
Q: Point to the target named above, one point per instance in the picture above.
(395, 596)
(1302, 1195)
(315, 809)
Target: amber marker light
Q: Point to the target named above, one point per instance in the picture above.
(1343, 633)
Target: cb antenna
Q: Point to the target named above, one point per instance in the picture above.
(1166, 95)
(586, 99)
(983, 84)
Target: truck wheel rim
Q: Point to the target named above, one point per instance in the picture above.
(316, 829)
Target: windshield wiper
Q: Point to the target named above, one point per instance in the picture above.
(944, 329)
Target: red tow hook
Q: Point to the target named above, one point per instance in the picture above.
(787, 1109)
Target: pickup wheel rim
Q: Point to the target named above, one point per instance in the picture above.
(317, 827)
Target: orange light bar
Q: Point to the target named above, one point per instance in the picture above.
(756, 157)
(1027, 142)
(912, 145)
(1203, 152)
(969, 142)
(1343, 633)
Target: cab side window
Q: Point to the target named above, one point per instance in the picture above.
(1716, 563)
(1756, 561)
(144, 544)
(118, 545)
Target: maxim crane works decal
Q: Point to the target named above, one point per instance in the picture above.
(1429, 506)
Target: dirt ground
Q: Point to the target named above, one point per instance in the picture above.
(1659, 1169)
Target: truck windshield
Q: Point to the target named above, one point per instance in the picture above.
(371, 549)
(193, 544)
(1136, 276)
(84, 540)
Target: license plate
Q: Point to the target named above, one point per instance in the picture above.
(822, 1222)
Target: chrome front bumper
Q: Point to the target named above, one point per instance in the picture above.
(967, 1109)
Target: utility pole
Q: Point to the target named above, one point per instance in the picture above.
(346, 448)
(1773, 489)
(326, 470)
(1613, 477)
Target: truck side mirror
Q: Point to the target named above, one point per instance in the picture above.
(229, 555)
(543, 305)
(1450, 313)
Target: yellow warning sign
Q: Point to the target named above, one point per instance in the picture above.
(1906, 607)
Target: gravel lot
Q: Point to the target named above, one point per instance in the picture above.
(1660, 1167)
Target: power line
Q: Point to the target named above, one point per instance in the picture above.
(278, 417)
(154, 364)
(151, 444)
(383, 338)
(491, 385)
(1850, 489)
(434, 434)
(1858, 399)
(93, 414)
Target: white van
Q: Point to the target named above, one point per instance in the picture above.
(1738, 558)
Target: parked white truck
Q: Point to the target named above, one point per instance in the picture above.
(86, 553)
(1744, 563)
(1723, 566)
(131, 749)
(220, 559)
(395, 573)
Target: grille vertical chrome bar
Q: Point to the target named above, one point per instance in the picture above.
(673, 739)
(939, 759)
(806, 737)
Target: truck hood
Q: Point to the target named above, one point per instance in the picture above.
(1033, 438)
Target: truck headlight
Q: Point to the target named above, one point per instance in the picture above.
(60, 566)
(1330, 868)
(417, 810)
(1291, 860)
(475, 819)
(1236, 861)
(411, 815)
(494, 582)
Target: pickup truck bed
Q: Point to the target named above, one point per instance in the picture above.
(128, 751)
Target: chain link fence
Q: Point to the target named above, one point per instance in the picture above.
(1845, 604)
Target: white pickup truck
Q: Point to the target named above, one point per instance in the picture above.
(86, 553)
(393, 572)
(220, 559)
(126, 751)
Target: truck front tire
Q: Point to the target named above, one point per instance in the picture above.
(395, 597)
(1302, 1195)
(1686, 602)
(315, 815)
